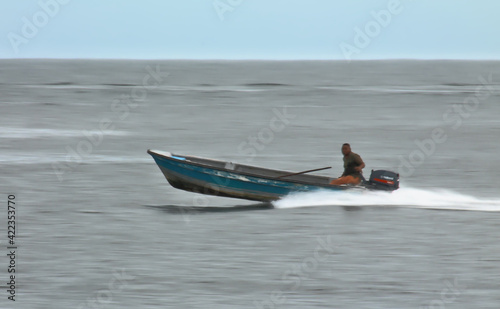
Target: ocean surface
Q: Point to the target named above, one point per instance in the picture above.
(98, 226)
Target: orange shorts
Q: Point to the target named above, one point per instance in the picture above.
(346, 180)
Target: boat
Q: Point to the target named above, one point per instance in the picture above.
(228, 179)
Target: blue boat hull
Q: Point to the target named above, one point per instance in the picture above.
(223, 178)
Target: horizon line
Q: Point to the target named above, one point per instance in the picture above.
(252, 59)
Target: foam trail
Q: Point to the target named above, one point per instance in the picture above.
(409, 197)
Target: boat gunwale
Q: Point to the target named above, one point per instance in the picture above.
(171, 157)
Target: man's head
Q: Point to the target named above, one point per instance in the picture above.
(346, 149)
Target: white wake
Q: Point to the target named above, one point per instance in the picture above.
(404, 197)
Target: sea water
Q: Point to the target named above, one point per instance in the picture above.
(98, 226)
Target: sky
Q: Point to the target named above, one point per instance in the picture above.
(250, 29)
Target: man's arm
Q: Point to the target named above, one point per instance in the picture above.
(361, 164)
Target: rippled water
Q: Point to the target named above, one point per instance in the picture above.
(99, 226)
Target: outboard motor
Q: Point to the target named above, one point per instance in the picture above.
(384, 180)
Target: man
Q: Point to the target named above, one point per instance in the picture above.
(353, 166)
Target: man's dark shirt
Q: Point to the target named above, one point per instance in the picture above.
(351, 161)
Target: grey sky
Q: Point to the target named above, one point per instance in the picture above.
(250, 29)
